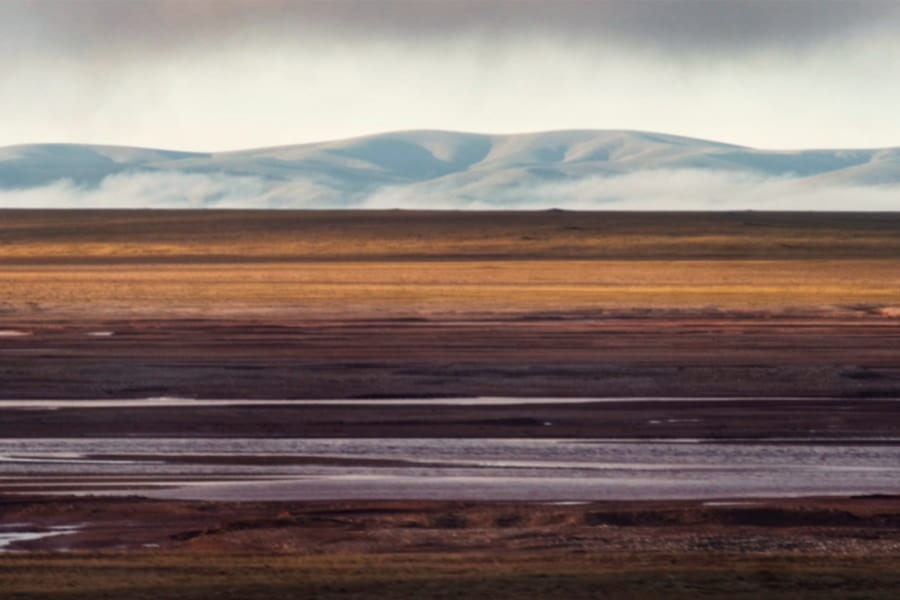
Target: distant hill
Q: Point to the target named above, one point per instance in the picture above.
(439, 169)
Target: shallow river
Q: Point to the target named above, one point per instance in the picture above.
(483, 469)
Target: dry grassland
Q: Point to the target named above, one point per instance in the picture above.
(373, 235)
(490, 576)
(419, 262)
(423, 286)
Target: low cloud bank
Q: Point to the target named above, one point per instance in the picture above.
(170, 190)
(654, 190)
(646, 190)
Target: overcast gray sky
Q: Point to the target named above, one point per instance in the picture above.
(228, 74)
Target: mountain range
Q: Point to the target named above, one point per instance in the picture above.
(441, 169)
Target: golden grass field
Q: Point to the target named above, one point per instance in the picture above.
(426, 286)
(420, 262)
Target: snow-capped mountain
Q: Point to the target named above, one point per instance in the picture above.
(438, 169)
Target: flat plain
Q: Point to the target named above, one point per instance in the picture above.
(795, 315)
(392, 262)
(330, 304)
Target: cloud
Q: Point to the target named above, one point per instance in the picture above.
(101, 27)
(169, 190)
(229, 74)
(684, 189)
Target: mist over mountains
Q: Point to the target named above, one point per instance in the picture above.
(622, 170)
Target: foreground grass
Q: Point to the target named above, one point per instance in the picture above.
(190, 577)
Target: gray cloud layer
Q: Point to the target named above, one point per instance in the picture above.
(228, 74)
(677, 26)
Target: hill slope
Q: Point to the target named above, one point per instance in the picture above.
(437, 169)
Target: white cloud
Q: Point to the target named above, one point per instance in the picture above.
(166, 190)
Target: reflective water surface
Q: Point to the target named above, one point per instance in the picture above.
(176, 401)
(11, 534)
(490, 469)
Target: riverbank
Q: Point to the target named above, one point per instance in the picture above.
(134, 548)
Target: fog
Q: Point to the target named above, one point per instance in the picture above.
(683, 189)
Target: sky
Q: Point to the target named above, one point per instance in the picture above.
(226, 74)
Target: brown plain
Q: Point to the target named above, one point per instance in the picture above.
(326, 304)
(392, 262)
